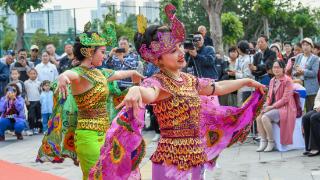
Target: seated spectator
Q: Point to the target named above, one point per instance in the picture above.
(46, 70)
(311, 127)
(22, 64)
(262, 61)
(306, 68)
(122, 59)
(279, 108)
(243, 70)
(276, 48)
(12, 116)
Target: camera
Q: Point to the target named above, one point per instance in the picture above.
(189, 43)
(120, 50)
(196, 38)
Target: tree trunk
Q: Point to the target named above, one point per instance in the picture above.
(214, 9)
(266, 27)
(20, 32)
(301, 32)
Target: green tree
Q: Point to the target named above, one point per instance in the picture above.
(20, 7)
(232, 28)
(8, 35)
(265, 8)
(302, 19)
(41, 39)
(214, 10)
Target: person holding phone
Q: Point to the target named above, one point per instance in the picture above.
(22, 64)
(121, 58)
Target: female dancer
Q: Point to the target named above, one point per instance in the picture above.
(193, 131)
(90, 91)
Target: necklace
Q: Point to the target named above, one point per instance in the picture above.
(172, 75)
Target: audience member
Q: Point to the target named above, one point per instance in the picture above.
(46, 100)
(34, 55)
(22, 64)
(279, 108)
(207, 40)
(46, 70)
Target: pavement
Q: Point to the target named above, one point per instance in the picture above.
(239, 162)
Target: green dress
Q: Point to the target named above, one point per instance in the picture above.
(78, 124)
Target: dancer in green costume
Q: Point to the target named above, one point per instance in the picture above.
(80, 133)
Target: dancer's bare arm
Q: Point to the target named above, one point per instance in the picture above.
(133, 74)
(66, 78)
(229, 86)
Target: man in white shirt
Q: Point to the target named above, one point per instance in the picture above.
(46, 70)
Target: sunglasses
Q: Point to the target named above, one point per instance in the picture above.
(35, 50)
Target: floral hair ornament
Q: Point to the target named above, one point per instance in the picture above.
(107, 38)
(166, 40)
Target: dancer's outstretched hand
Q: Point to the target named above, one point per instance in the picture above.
(63, 81)
(133, 100)
(257, 85)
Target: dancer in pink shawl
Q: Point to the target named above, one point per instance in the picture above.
(194, 130)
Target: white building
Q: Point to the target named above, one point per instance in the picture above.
(151, 10)
(11, 17)
(127, 8)
(53, 21)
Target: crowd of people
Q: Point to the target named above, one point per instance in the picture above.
(27, 98)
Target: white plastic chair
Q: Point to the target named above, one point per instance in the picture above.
(298, 140)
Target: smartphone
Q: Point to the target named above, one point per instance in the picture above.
(120, 50)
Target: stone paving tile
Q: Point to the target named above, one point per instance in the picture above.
(239, 162)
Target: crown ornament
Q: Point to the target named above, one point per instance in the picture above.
(166, 40)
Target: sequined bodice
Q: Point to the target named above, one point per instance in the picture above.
(178, 118)
(92, 103)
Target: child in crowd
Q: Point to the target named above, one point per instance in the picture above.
(46, 100)
(12, 116)
(32, 86)
(14, 78)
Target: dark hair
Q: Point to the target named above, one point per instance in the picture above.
(14, 85)
(281, 64)
(45, 82)
(33, 69)
(287, 42)
(254, 43)
(244, 47)
(264, 37)
(22, 50)
(14, 69)
(151, 34)
(232, 48)
(316, 45)
(77, 47)
(298, 44)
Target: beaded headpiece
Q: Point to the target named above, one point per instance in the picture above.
(166, 40)
(107, 38)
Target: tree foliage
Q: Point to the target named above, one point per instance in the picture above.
(41, 39)
(232, 28)
(8, 35)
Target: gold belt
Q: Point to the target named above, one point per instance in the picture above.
(93, 113)
(179, 133)
(96, 124)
